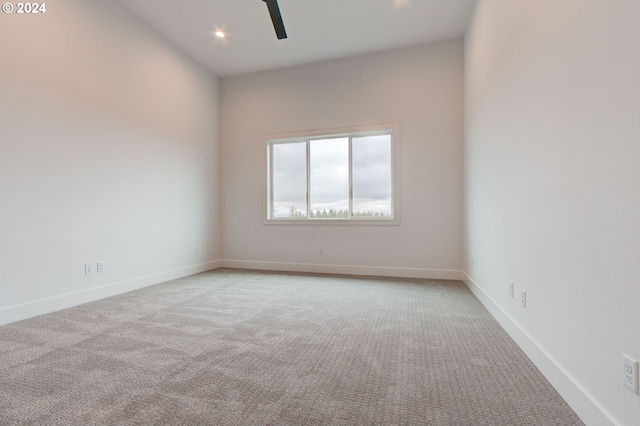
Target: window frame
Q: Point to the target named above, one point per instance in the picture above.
(268, 141)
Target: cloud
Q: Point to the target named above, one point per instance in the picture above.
(329, 174)
(289, 178)
(372, 168)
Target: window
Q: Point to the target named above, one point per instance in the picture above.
(340, 176)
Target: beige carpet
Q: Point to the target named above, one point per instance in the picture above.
(233, 347)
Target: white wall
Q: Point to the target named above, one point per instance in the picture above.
(552, 188)
(108, 151)
(421, 89)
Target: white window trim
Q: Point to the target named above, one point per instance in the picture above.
(267, 140)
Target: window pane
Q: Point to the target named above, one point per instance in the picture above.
(290, 180)
(372, 176)
(329, 175)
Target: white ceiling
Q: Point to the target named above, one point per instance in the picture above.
(318, 29)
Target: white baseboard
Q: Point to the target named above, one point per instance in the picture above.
(584, 405)
(44, 306)
(379, 271)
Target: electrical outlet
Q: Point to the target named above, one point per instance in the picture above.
(196, 252)
(523, 298)
(88, 268)
(100, 267)
(512, 287)
(630, 373)
(320, 252)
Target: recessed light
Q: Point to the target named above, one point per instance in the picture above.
(219, 34)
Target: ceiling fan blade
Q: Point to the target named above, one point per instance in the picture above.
(276, 18)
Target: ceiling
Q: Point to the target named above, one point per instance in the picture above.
(318, 30)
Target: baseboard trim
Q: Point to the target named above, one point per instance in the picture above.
(52, 304)
(380, 271)
(44, 306)
(584, 405)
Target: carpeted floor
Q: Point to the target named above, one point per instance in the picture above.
(233, 347)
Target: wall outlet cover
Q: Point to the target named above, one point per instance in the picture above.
(630, 373)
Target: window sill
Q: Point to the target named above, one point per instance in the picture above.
(333, 222)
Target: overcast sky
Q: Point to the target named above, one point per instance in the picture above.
(289, 178)
(329, 173)
(372, 174)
